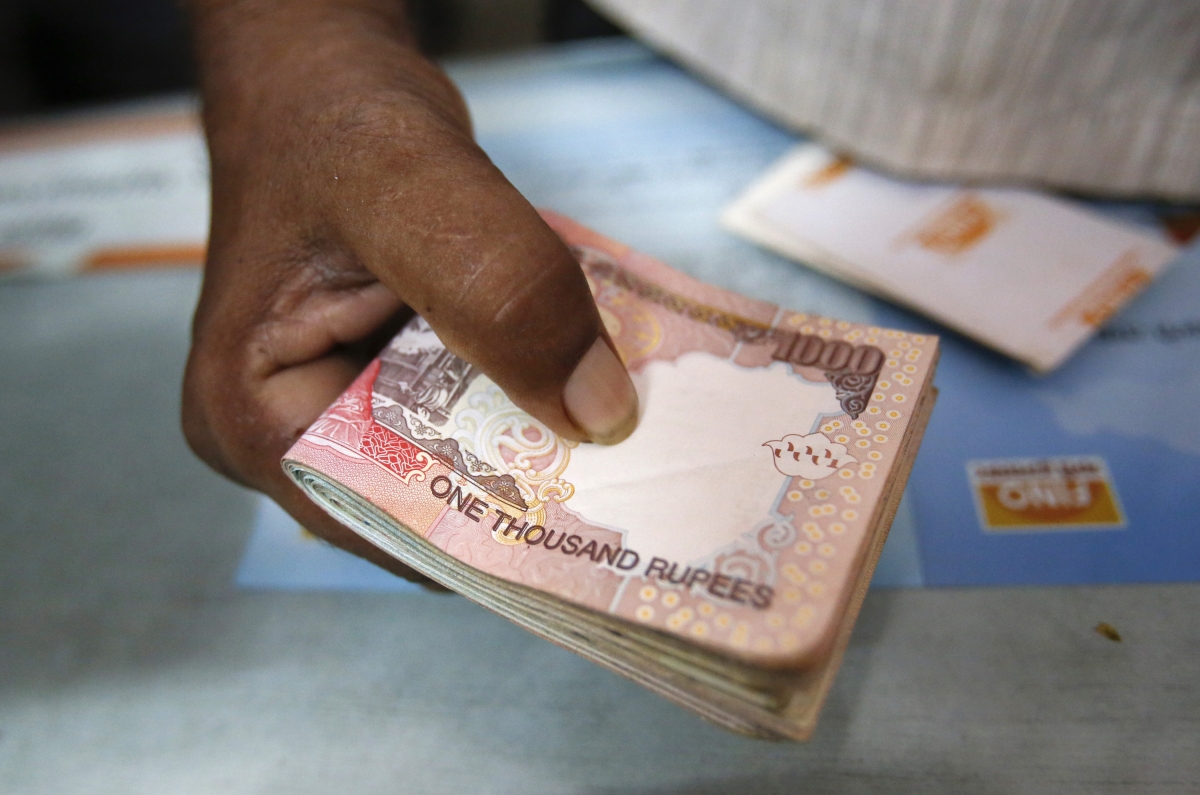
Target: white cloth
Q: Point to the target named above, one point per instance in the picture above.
(1099, 96)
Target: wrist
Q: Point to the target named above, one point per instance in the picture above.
(258, 57)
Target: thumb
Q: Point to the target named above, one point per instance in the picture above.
(503, 292)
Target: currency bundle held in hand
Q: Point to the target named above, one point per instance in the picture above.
(717, 556)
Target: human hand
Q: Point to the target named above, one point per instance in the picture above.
(348, 192)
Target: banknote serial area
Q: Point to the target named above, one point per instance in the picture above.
(621, 396)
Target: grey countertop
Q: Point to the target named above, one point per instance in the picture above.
(129, 663)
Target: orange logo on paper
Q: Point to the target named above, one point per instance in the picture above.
(1110, 290)
(830, 172)
(959, 226)
(1045, 494)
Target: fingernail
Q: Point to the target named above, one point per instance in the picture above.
(599, 396)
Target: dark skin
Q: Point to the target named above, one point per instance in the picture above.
(348, 192)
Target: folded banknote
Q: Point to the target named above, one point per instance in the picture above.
(1028, 274)
(717, 556)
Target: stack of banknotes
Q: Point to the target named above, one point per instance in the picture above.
(718, 556)
(1030, 275)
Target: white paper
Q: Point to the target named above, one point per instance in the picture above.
(1028, 274)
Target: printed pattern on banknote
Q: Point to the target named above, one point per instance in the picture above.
(737, 514)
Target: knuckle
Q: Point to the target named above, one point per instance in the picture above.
(210, 406)
(198, 409)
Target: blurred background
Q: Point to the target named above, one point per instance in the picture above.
(164, 630)
(59, 54)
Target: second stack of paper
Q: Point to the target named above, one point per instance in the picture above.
(1022, 272)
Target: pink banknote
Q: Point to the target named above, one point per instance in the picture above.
(738, 516)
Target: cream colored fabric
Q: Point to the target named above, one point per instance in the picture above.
(1094, 95)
